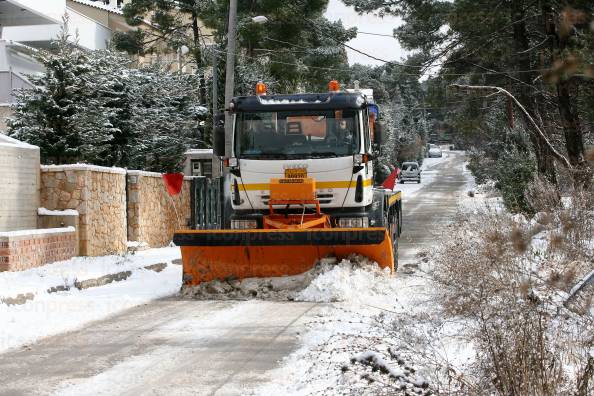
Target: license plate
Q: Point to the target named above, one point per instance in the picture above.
(295, 173)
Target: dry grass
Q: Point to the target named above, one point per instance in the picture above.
(507, 278)
(589, 154)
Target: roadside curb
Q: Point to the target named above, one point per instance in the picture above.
(23, 298)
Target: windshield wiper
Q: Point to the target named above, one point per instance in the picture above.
(265, 156)
(326, 154)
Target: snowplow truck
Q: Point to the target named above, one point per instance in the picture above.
(300, 182)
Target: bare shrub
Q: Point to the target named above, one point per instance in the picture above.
(542, 196)
(507, 279)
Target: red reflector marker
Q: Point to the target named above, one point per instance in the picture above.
(173, 182)
(390, 182)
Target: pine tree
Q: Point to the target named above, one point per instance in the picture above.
(90, 106)
(166, 117)
(539, 51)
(62, 114)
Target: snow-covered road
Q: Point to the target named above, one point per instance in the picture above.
(180, 347)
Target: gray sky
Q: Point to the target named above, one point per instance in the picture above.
(383, 47)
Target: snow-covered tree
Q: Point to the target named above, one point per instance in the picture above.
(62, 114)
(167, 118)
(90, 106)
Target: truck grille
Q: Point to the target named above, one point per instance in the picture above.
(324, 198)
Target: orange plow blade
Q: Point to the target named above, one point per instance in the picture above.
(237, 254)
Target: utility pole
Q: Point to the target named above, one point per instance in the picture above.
(230, 74)
(215, 89)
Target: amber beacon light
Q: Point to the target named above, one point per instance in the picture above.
(260, 88)
(333, 86)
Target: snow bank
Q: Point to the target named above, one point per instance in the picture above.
(38, 280)
(48, 314)
(345, 348)
(354, 280)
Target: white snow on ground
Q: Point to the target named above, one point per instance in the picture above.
(352, 281)
(356, 328)
(50, 314)
(479, 198)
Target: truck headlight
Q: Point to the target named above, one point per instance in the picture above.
(353, 222)
(243, 224)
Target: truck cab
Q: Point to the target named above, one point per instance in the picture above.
(326, 136)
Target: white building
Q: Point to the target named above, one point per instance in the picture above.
(26, 25)
(93, 21)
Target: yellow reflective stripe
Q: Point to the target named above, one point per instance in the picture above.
(394, 198)
(319, 185)
(252, 187)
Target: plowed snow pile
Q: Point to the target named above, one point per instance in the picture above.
(350, 280)
(359, 342)
(354, 279)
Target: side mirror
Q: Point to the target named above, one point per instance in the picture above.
(377, 133)
(219, 135)
(377, 139)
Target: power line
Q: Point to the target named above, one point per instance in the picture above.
(504, 73)
(377, 34)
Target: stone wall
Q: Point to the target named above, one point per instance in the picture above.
(21, 250)
(99, 196)
(19, 181)
(152, 217)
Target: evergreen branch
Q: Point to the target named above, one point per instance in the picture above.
(498, 90)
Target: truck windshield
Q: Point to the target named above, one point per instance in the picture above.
(297, 134)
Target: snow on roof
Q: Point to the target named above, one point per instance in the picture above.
(82, 167)
(267, 101)
(7, 141)
(199, 151)
(40, 231)
(100, 5)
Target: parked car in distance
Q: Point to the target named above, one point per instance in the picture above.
(410, 171)
(435, 152)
